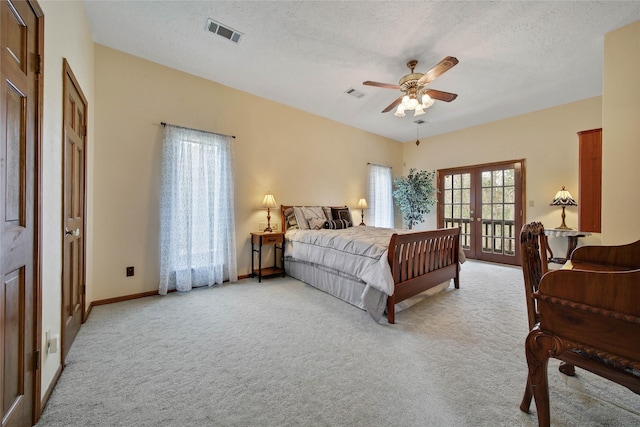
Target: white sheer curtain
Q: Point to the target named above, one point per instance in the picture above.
(197, 225)
(380, 196)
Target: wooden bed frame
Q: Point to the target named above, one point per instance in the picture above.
(419, 261)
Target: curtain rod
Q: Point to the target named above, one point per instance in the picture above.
(375, 164)
(199, 130)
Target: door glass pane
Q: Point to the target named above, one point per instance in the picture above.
(457, 205)
(497, 178)
(498, 212)
(510, 195)
(486, 211)
(497, 195)
(466, 180)
(509, 177)
(486, 179)
(486, 195)
(466, 196)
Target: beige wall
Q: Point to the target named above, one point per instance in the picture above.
(299, 157)
(67, 35)
(547, 140)
(621, 136)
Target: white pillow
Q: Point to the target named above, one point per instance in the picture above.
(313, 213)
(303, 224)
(304, 215)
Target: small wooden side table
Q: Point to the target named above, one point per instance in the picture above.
(572, 241)
(260, 239)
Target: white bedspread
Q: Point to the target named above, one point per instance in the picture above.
(357, 251)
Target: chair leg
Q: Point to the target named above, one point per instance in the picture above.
(526, 399)
(538, 347)
(568, 369)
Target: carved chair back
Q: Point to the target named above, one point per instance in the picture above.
(533, 252)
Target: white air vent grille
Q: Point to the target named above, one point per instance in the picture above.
(223, 31)
(353, 92)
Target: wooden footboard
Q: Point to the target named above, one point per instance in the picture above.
(420, 261)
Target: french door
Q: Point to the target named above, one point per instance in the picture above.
(486, 201)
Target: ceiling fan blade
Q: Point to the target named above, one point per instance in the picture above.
(441, 96)
(392, 105)
(385, 85)
(439, 69)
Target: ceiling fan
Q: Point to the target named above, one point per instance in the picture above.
(417, 96)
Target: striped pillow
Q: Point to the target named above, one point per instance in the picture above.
(336, 224)
(342, 214)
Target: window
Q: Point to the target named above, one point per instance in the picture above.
(197, 226)
(380, 196)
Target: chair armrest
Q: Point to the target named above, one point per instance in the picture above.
(620, 256)
(610, 290)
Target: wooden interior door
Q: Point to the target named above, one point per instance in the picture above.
(73, 270)
(486, 201)
(20, 113)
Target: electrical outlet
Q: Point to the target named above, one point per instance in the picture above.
(129, 271)
(274, 226)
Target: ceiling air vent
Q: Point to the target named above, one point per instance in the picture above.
(223, 31)
(353, 92)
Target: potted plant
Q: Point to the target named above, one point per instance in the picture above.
(415, 194)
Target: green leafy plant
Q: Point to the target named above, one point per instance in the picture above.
(414, 195)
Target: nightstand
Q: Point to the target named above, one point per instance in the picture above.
(258, 240)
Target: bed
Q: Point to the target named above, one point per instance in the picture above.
(376, 269)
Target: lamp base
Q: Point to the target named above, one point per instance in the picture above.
(563, 226)
(268, 229)
(362, 219)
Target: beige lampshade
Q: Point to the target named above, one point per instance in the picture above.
(269, 201)
(362, 203)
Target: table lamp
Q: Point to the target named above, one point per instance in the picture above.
(269, 202)
(563, 198)
(362, 204)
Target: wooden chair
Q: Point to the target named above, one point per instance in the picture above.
(535, 253)
(590, 319)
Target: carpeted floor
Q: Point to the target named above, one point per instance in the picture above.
(281, 353)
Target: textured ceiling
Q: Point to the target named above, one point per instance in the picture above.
(515, 57)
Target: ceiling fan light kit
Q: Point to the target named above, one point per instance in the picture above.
(410, 102)
(418, 97)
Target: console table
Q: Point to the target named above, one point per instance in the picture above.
(572, 241)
